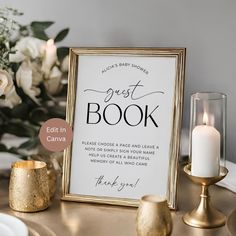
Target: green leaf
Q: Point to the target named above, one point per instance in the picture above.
(13, 150)
(58, 112)
(61, 35)
(38, 28)
(62, 52)
(44, 94)
(20, 129)
(42, 25)
(14, 66)
(5, 114)
(38, 115)
(40, 35)
(30, 144)
(20, 110)
(3, 148)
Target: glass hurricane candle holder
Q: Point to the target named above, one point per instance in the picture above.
(207, 133)
(207, 154)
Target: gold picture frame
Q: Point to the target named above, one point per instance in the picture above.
(76, 56)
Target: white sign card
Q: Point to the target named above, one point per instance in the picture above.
(123, 122)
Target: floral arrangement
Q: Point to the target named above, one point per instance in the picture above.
(33, 78)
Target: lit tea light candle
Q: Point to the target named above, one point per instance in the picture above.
(205, 150)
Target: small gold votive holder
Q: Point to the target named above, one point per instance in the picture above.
(28, 189)
(153, 217)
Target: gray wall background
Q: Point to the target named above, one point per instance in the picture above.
(206, 28)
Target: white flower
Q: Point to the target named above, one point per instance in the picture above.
(26, 48)
(12, 98)
(53, 84)
(7, 88)
(6, 82)
(24, 79)
(65, 64)
(36, 73)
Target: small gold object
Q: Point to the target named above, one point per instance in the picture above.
(28, 189)
(205, 216)
(153, 218)
(54, 165)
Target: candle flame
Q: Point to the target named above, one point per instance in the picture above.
(205, 118)
(50, 42)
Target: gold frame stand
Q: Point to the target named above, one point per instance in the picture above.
(205, 215)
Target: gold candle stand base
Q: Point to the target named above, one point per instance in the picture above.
(205, 215)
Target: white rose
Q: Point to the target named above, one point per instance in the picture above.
(7, 88)
(6, 82)
(27, 47)
(24, 79)
(53, 84)
(12, 98)
(65, 64)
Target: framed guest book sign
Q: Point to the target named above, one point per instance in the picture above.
(125, 107)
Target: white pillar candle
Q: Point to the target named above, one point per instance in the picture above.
(205, 151)
(50, 56)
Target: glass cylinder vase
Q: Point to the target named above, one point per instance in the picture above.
(207, 133)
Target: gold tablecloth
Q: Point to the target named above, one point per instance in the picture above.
(70, 219)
